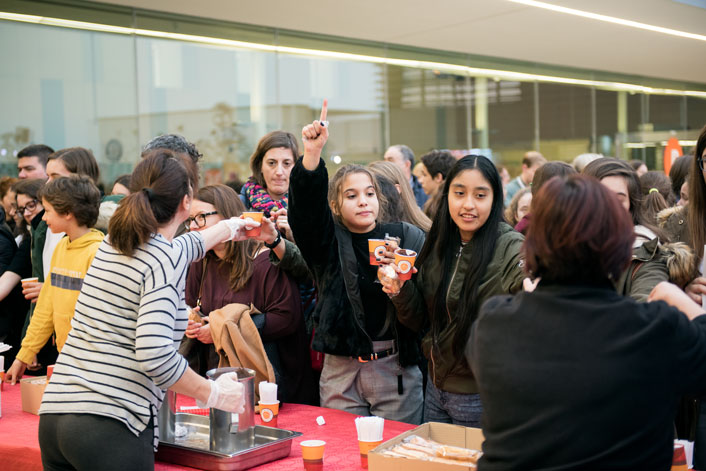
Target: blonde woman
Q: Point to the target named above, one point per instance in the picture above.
(410, 211)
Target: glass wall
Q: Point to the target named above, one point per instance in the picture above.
(114, 92)
(565, 121)
(511, 119)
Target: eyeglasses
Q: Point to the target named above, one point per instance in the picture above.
(30, 206)
(199, 219)
(700, 161)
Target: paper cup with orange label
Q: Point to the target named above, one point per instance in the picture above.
(257, 217)
(404, 259)
(365, 448)
(313, 454)
(377, 249)
(269, 413)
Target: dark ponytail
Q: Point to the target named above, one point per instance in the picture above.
(158, 186)
(657, 195)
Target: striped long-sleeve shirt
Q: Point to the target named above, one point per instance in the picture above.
(130, 316)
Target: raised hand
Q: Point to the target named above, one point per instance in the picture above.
(314, 137)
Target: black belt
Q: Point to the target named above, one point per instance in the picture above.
(377, 355)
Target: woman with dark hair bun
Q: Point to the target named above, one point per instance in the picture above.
(469, 255)
(574, 375)
(120, 355)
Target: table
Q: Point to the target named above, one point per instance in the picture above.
(19, 446)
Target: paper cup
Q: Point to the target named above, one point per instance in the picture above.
(33, 279)
(679, 458)
(255, 216)
(404, 259)
(50, 371)
(269, 413)
(365, 448)
(377, 249)
(313, 454)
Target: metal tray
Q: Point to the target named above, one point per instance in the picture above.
(239, 451)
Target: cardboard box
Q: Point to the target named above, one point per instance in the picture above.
(32, 390)
(448, 434)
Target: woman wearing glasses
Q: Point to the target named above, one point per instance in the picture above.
(15, 264)
(241, 272)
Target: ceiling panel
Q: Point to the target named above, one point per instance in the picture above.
(497, 28)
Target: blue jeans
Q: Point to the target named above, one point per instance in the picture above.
(451, 408)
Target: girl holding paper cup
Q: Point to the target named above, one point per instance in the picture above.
(121, 355)
(371, 362)
(470, 255)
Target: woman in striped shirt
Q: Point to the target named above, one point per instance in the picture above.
(121, 354)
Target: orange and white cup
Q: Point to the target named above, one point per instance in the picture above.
(313, 454)
(365, 448)
(257, 217)
(26, 281)
(377, 249)
(404, 259)
(50, 371)
(269, 413)
(679, 462)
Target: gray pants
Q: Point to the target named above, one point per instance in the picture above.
(372, 388)
(88, 442)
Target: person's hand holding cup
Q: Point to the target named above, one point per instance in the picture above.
(31, 288)
(255, 216)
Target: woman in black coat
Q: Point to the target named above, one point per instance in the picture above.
(574, 375)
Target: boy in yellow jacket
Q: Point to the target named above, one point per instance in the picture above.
(71, 206)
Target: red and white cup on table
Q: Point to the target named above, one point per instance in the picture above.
(269, 405)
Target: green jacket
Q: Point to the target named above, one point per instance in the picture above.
(292, 263)
(39, 235)
(647, 268)
(414, 305)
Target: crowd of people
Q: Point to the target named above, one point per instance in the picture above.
(561, 311)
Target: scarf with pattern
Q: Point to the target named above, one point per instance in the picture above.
(260, 200)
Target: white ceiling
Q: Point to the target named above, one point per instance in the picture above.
(497, 28)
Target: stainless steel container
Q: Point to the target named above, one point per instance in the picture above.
(234, 431)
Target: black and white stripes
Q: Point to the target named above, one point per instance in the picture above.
(130, 317)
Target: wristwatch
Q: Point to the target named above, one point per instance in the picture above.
(276, 242)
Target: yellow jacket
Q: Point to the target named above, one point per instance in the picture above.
(57, 299)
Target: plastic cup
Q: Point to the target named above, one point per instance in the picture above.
(365, 448)
(25, 281)
(257, 217)
(404, 259)
(377, 249)
(269, 413)
(313, 454)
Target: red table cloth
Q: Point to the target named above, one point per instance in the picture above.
(19, 446)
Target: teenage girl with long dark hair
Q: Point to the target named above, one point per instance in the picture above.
(470, 255)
